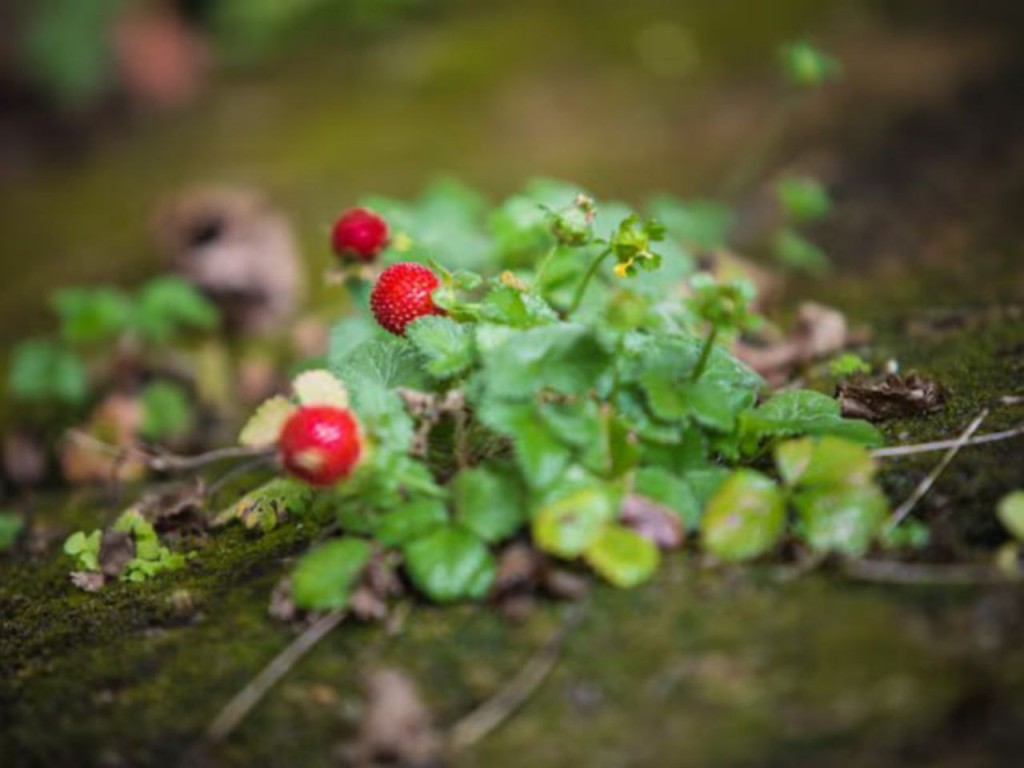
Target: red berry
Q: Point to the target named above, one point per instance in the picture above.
(360, 234)
(402, 294)
(320, 444)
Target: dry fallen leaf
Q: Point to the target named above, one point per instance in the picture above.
(892, 398)
(655, 522)
(396, 729)
(820, 332)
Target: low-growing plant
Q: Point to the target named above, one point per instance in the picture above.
(569, 364)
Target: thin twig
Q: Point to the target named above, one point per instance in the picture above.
(235, 472)
(904, 509)
(170, 463)
(895, 572)
(941, 445)
(257, 688)
(496, 710)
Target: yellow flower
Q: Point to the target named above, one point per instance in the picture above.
(622, 268)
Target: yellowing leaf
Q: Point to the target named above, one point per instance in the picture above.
(320, 387)
(266, 423)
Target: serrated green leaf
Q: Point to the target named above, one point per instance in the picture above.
(450, 564)
(1011, 513)
(265, 425)
(412, 520)
(488, 503)
(622, 557)
(538, 451)
(324, 577)
(446, 345)
(804, 412)
(507, 306)
(844, 520)
(320, 387)
(745, 518)
(565, 357)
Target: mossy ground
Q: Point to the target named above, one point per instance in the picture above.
(704, 667)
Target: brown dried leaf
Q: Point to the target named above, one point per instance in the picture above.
(90, 581)
(892, 398)
(397, 729)
(655, 522)
(116, 549)
(820, 332)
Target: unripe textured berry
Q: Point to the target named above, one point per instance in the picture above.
(320, 444)
(403, 294)
(359, 234)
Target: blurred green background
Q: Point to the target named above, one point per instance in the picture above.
(110, 104)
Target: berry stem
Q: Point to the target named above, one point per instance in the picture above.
(587, 277)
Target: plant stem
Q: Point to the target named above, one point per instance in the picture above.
(705, 354)
(545, 262)
(591, 271)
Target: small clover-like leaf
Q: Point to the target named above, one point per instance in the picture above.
(324, 577)
(264, 426)
(622, 556)
(320, 387)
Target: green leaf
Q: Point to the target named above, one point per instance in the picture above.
(702, 224)
(622, 556)
(412, 520)
(446, 345)
(488, 503)
(745, 518)
(168, 306)
(324, 577)
(265, 507)
(507, 306)
(85, 548)
(1011, 513)
(796, 251)
(92, 315)
(11, 526)
(848, 364)
(804, 412)
(803, 199)
(450, 564)
(672, 491)
(844, 520)
(519, 363)
(43, 370)
(538, 451)
(910, 534)
(166, 411)
(566, 524)
(824, 462)
(806, 65)
(706, 481)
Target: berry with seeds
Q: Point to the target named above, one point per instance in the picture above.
(320, 444)
(403, 294)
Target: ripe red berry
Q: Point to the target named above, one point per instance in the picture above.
(359, 233)
(403, 294)
(320, 444)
